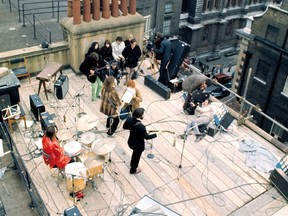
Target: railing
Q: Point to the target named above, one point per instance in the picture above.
(31, 10)
(248, 112)
(36, 200)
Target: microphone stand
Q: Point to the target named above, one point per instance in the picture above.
(184, 142)
(76, 98)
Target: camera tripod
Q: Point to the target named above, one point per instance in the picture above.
(153, 63)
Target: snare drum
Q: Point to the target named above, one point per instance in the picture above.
(72, 148)
(76, 176)
(93, 163)
(87, 138)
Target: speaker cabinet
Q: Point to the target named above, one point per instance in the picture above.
(61, 86)
(280, 180)
(226, 120)
(180, 51)
(36, 106)
(46, 121)
(72, 211)
(157, 87)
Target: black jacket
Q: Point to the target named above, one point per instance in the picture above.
(131, 55)
(138, 134)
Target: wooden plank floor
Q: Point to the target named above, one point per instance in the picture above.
(209, 177)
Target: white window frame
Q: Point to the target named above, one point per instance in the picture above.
(167, 28)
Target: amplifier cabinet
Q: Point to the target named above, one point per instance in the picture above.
(61, 86)
(72, 211)
(280, 180)
(46, 121)
(157, 87)
(36, 106)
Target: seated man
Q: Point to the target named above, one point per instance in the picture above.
(195, 98)
(204, 118)
(53, 153)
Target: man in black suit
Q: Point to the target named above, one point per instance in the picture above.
(138, 134)
(163, 50)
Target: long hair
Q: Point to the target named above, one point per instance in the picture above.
(109, 83)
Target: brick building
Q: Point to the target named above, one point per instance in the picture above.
(209, 25)
(266, 55)
(161, 15)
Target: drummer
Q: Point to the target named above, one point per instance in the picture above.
(53, 153)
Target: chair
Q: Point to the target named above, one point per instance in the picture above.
(22, 116)
(19, 67)
(60, 171)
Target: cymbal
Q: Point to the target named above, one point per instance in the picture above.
(87, 122)
(88, 137)
(64, 135)
(103, 146)
(95, 161)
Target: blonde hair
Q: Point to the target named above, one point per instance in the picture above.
(131, 83)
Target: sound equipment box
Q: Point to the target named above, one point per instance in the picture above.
(46, 121)
(280, 180)
(180, 51)
(36, 106)
(72, 211)
(212, 129)
(61, 86)
(226, 120)
(157, 87)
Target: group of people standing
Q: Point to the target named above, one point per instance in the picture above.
(110, 61)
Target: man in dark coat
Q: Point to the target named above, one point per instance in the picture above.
(131, 53)
(136, 138)
(164, 52)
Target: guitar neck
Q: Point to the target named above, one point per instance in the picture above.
(164, 131)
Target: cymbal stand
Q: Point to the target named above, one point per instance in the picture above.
(151, 155)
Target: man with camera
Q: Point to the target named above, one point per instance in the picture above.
(163, 50)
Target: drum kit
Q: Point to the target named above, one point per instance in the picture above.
(89, 152)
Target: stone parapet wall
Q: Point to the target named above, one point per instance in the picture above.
(38, 58)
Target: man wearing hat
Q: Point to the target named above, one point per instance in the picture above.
(137, 137)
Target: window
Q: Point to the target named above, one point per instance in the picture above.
(285, 89)
(272, 34)
(167, 27)
(262, 71)
(147, 26)
(229, 28)
(205, 33)
(168, 8)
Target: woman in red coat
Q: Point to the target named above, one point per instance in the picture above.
(53, 153)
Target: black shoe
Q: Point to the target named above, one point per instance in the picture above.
(182, 136)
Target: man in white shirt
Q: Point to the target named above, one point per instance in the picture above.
(204, 118)
(117, 49)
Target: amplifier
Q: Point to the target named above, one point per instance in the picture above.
(280, 180)
(36, 106)
(180, 51)
(61, 86)
(72, 211)
(226, 120)
(46, 121)
(157, 87)
(212, 130)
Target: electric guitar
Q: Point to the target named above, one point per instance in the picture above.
(97, 72)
